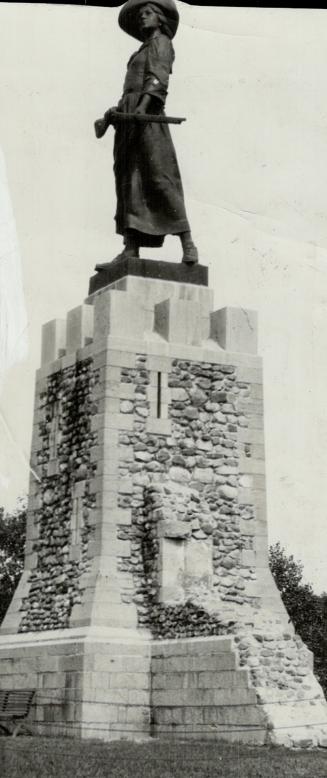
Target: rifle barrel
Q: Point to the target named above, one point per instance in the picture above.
(146, 117)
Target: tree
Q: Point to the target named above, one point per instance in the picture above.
(307, 610)
(12, 544)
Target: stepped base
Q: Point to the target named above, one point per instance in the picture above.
(113, 684)
(91, 683)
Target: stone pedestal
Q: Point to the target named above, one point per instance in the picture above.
(146, 605)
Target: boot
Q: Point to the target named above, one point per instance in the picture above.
(190, 253)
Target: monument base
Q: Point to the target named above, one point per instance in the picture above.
(92, 683)
(114, 684)
(147, 606)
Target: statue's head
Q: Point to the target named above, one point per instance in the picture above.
(139, 18)
(150, 18)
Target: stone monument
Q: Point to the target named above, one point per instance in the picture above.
(146, 606)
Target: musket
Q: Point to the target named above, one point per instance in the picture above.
(116, 117)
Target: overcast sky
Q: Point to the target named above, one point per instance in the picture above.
(253, 156)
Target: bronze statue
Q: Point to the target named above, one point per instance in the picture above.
(150, 200)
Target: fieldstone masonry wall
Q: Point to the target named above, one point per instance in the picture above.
(61, 505)
(190, 536)
(146, 605)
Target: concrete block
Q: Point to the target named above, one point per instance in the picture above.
(172, 565)
(53, 468)
(107, 467)
(50, 367)
(262, 550)
(198, 561)
(126, 680)
(163, 409)
(121, 548)
(48, 664)
(118, 313)
(106, 614)
(248, 558)
(257, 451)
(153, 392)
(125, 485)
(118, 421)
(118, 647)
(159, 364)
(178, 321)
(25, 681)
(208, 646)
(31, 561)
(107, 437)
(247, 527)
(255, 421)
(202, 697)
(154, 379)
(120, 358)
(127, 664)
(158, 426)
(71, 662)
(235, 329)
(53, 340)
(223, 680)
(202, 662)
(53, 680)
(246, 481)
(245, 496)
(250, 407)
(79, 328)
(107, 501)
(124, 391)
(99, 712)
(152, 291)
(103, 484)
(169, 681)
(119, 516)
(173, 529)
(108, 404)
(138, 714)
(259, 482)
(68, 361)
(138, 696)
(97, 680)
(251, 464)
(257, 393)
(249, 375)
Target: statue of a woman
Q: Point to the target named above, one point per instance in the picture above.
(150, 201)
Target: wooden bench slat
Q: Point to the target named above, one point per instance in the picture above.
(10, 715)
(15, 703)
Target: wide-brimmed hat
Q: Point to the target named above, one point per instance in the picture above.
(128, 17)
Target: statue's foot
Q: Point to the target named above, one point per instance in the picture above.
(190, 254)
(129, 253)
(125, 254)
(102, 266)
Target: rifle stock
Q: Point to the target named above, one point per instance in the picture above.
(116, 117)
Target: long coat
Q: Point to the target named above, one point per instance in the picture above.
(150, 198)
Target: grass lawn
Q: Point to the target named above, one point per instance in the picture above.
(36, 757)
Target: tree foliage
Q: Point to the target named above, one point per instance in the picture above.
(12, 544)
(307, 610)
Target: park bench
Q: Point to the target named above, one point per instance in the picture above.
(15, 705)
